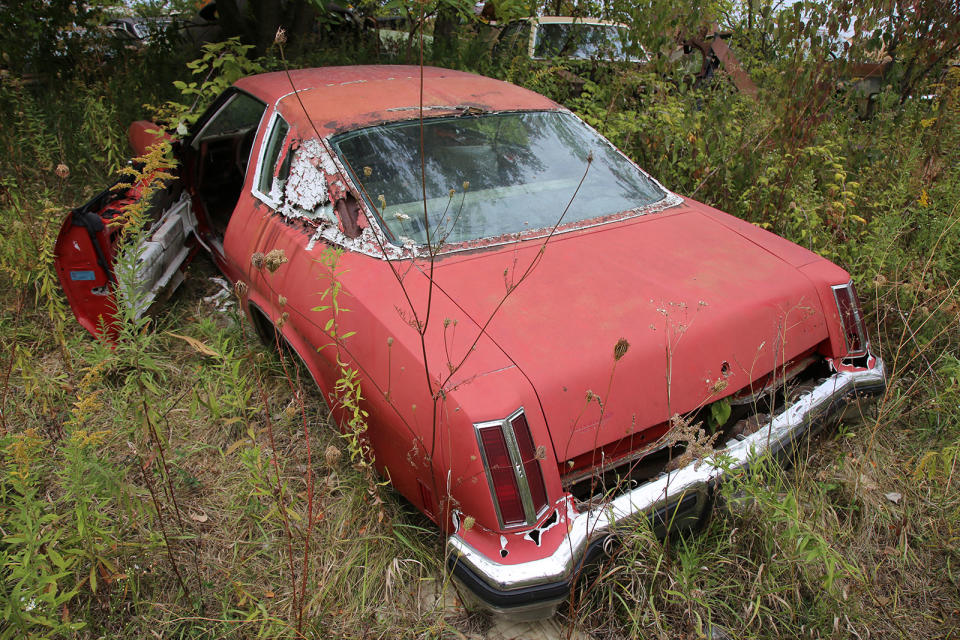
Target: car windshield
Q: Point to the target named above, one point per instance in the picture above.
(490, 175)
(580, 41)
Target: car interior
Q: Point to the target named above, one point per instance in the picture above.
(223, 148)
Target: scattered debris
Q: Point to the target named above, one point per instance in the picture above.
(867, 483)
(750, 425)
(551, 629)
(433, 594)
(222, 300)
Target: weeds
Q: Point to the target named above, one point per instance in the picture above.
(165, 484)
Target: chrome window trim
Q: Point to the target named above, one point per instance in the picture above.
(255, 187)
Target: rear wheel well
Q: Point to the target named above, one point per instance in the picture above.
(262, 325)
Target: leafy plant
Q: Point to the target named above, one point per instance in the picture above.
(221, 64)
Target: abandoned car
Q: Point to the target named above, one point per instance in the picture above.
(538, 326)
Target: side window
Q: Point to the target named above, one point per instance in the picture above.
(239, 115)
(513, 39)
(221, 149)
(270, 178)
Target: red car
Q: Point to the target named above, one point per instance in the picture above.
(537, 324)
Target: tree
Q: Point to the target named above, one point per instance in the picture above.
(38, 35)
(256, 22)
(920, 35)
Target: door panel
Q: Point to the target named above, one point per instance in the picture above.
(87, 247)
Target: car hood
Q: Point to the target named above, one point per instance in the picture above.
(704, 309)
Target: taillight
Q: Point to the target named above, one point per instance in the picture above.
(531, 466)
(851, 320)
(513, 470)
(502, 477)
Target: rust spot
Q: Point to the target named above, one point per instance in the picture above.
(348, 211)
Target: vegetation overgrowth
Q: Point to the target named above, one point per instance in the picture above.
(184, 483)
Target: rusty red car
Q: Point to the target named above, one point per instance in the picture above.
(537, 325)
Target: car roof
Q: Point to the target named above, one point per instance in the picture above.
(345, 98)
(576, 20)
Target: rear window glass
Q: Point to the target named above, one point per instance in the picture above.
(490, 175)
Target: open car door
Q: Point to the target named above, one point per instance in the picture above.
(213, 167)
(89, 243)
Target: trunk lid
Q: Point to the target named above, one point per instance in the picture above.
(705, 312)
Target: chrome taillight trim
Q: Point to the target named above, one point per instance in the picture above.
(857, 319)
(516, 460)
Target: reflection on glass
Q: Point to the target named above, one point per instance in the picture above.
(490, 175)
(240, 114)
(582, 41)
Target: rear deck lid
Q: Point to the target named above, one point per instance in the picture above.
(704, 310)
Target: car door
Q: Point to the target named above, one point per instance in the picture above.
(187, 212)
(215, 164)
(90, 239)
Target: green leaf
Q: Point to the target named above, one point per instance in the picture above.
(719, 412)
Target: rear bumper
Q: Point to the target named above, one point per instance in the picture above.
(534, 589)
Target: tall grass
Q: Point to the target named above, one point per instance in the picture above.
(160, 486)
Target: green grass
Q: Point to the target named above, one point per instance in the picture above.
(101, 449)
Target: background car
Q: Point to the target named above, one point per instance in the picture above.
(549, 343)
(571, 38)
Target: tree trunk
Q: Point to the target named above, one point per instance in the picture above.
(445, 31)
(302, 18)
(233, 22)
(256, 23)
(267, 14)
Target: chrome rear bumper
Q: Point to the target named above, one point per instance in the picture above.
(534, 589)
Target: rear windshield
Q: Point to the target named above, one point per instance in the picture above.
(490, 175)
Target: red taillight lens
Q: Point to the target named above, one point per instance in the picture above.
(502, 477)
(531, 466)
(851, 320)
